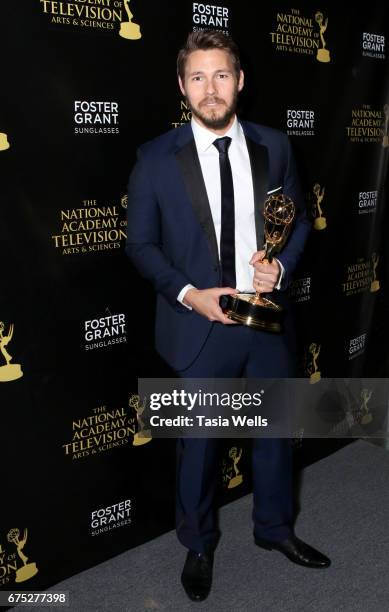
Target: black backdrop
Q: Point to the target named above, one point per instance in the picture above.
(74, 339)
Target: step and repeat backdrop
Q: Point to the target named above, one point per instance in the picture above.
(84, 83)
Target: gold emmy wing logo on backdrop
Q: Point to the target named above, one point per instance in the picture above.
(28, 570)
(366, 416)
(236, 480)
(10, 371)
(313, 369)
(322, 55)
(124, 201)
(4, 144)
(128, 29)
(143, 435)
(230, 471)
(385, 139)
(320, 222)
(375, 283)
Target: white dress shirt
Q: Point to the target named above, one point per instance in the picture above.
(245, 236)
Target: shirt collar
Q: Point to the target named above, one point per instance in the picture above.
(204, 138)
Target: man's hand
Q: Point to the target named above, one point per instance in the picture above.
(266, 274)
(206, 303)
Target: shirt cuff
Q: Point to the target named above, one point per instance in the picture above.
(181, 296)
(282, 273)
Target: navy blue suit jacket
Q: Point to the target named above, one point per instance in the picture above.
(170, 233)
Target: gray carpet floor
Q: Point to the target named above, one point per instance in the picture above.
(344, 513)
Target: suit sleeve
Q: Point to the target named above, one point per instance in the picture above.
(144, 241)
(291, 253)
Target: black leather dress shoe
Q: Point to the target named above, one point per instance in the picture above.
(196, 576)
(297, 551)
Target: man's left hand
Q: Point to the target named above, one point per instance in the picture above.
(266, 274)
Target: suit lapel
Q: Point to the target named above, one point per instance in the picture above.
(259, 161)
(189, 163)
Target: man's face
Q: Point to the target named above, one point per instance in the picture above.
(211, 88)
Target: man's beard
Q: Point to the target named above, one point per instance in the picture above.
(214, 121)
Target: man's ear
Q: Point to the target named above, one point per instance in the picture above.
(181, 84)
(241, 80)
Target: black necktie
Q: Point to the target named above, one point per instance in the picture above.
(227, 235)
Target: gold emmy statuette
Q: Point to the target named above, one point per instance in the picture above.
(129, 30)
(29, 569)
(315, 375)
(366, 414)
(143, 435)
(253, 309)
(375, 283)
(10, 371)
(320, 222)
(385, 139)
(4, 144)
(238, 478)
(323, 55)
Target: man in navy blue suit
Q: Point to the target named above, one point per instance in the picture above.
(195, 230)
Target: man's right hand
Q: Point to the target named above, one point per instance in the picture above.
(206, 303)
